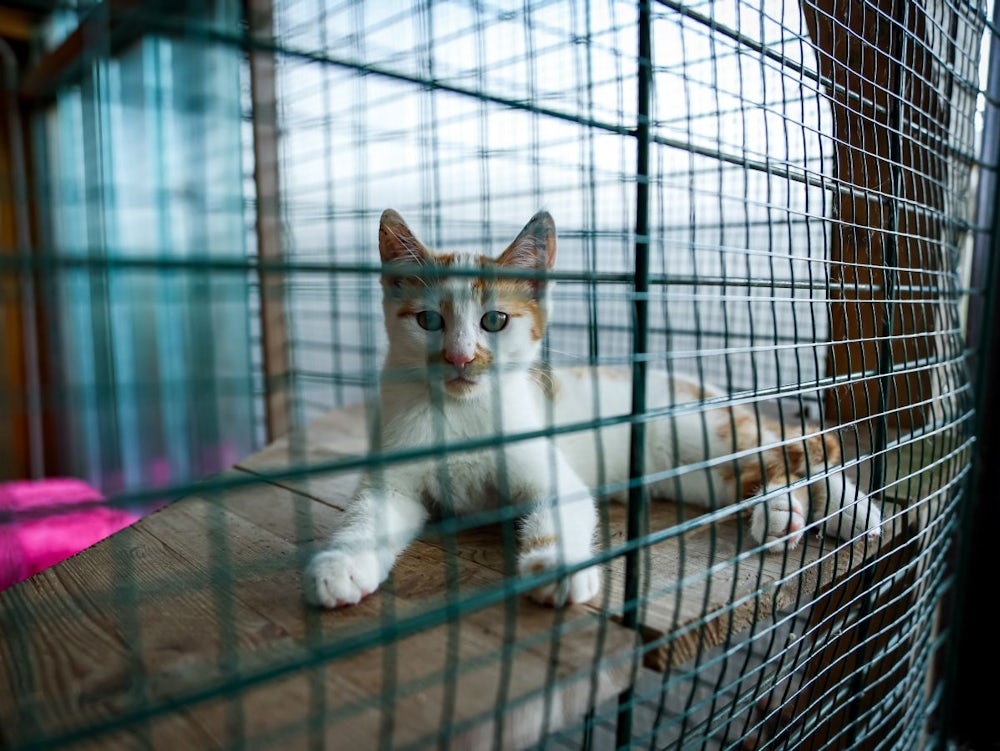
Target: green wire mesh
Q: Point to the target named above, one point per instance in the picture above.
(777, 199)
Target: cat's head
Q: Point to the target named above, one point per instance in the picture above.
(453, 318)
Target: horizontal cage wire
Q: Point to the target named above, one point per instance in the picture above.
(496, 375)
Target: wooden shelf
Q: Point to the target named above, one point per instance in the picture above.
(189, 627)
(686, 610)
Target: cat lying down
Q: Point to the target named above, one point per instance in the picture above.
(464, 344)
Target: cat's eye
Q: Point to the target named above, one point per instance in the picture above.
(430, 320)
(493, 321)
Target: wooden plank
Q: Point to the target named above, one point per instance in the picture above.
(333, 436)
(863, 631)
(702, 588)
(690, 610)
(687, 609)
(203, 597)
(888, 116)
(852, 642)
(64, 663)
(198, 609)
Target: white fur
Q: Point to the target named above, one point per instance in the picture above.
(551, 478)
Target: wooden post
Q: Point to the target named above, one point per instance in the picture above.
(13, 421)
(890, 88)
(273, 323)
(21, 435)
(891, 132)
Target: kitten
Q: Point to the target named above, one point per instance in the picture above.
(464, 344)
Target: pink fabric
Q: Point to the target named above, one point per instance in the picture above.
(45, 521)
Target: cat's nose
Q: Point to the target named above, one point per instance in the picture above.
(458, 360)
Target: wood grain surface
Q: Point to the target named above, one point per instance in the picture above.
(188, 629)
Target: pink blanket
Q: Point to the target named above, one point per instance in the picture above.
(44, 521)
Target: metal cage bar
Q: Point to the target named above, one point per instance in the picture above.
(764, 197)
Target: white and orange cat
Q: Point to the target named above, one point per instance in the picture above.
(462, 364)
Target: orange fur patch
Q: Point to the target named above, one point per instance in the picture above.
(776, 466)
(758, 472)
(820, 451)
(412, 280)
(770, 468)
(775, 470)
(539, 542)
(611, 373)
(741, 425)
(522, 307)
(796, 454)
(832, 445)
(479, 290)
(482, 359)
(746, 471)
(685, 389)
(407, 308)
(447, 310)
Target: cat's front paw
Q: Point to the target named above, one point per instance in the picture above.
(578, 587)
(778, 520)
(335, 578)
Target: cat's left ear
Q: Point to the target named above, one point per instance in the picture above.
(534, 248)
(396, 241)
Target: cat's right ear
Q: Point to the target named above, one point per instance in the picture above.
(396, 243)
(534, 249)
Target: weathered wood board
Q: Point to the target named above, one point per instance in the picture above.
(188, 629)
(684, 610)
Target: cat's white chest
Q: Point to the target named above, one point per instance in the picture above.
(472, 465)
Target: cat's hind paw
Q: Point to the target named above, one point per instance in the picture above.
(856, 519)
(778, 520)
(335, 578)
(578, 587)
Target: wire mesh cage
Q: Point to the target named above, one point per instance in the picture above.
(492, 375)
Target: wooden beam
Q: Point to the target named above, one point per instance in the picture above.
(890, 128)
(686, 611)
(191, 629)
(267, 178)
(14, 459)
(17, 24)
